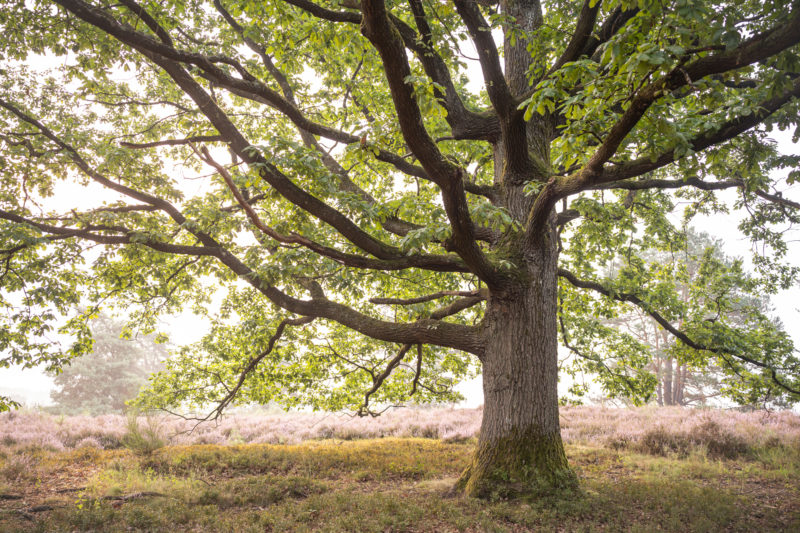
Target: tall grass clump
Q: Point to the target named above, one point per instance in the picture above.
(143, 439)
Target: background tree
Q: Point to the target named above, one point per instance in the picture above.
(379, 227)
(113, 373)
(712, 287)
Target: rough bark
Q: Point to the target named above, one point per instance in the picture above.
(519, 447)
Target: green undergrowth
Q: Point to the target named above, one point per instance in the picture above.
(398, 485)
(365, 460)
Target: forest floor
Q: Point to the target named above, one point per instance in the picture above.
(397, 484)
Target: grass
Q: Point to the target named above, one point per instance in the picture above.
(394, 484)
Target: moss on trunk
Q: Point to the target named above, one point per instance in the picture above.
(524, 462)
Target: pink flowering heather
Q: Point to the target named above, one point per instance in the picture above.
(598, 425)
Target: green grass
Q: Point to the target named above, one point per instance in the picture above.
(393, 485)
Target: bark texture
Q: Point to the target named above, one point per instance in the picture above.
(519, 447)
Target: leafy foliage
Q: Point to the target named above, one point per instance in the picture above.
(713, 292)
(152, 154)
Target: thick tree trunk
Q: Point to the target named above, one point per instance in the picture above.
(519, 447)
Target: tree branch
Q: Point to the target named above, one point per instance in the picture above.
(481, 33)
(664, 323)
(428, 262)
(427, 331)
(726, 131)
(465, 124)
(581, 36)
(752, 50)
(450, 178)
(174, 142)
(253, 363)
(615, 22)
(421, 299)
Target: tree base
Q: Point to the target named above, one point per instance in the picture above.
(517, 465)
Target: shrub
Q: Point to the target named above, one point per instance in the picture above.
(660, 441)
(19, 467)
(718, 442)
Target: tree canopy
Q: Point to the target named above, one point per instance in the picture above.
(379, 225)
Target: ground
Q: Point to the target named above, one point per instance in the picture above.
(659, 483)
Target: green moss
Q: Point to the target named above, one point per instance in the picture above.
(524, 462)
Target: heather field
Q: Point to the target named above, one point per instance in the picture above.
(642, 469)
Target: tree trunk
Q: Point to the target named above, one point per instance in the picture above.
(519, 446)
(668, 382)
(680, 379)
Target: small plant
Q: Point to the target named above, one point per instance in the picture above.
(143, 440)
(19, 467)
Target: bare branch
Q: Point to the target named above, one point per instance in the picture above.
(417, 372)
(464, 124)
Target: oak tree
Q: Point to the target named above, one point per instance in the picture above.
(376, 222)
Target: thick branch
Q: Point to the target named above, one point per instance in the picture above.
(323, 13)
(481, 33)
(580, 37)
(615, 22)
(726, 131)
(450, 178)
(657, 183)
(465, 124)
(756, 48)
(421, 299)
(427, 331)
(392, 224)
(440, 263)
